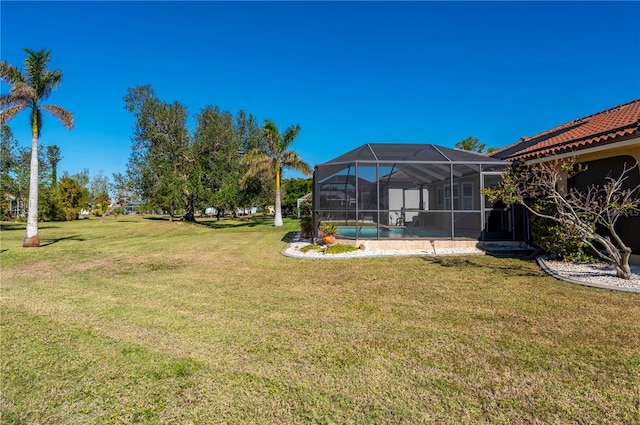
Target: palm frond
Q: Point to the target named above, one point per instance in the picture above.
(64, 116)
(36, 62)
(253, 153)
(270, 126)
(291, 159)
(10, 73)
(272, 137)
(7, 100)
(37, 75)
(48, 82)
(24, 91)
(288, 137)
(259, 163)
(7, 114)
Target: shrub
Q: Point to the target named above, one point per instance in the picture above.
(328, 228)
(306, 219)
(310, 247)
(340, 248)
(555, 240)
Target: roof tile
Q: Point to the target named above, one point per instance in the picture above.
(600, 128)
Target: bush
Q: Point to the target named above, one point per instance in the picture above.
(310, 247)
(306, 219)
(340, 248)
(555, 240)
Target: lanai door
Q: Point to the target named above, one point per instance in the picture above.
(497, 220)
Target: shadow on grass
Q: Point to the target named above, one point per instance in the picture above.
(289, 237)
(516, 268)
(47, 242)
(222, 224)
(226, 225)
(156, 218)
(8, 227)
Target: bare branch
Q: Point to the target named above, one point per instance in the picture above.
(538, 189)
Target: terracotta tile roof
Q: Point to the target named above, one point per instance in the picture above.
(615, 124)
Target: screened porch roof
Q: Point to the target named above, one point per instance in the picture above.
(402, 155)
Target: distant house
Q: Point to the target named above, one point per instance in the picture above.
(604, 141)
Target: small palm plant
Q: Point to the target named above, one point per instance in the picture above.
(329, 228)
(329, 231)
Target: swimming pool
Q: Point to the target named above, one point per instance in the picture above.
(391, 232)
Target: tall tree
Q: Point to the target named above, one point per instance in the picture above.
(99, 187)
(53, 156)
(8, 162)
(28, 90)
(294, 189)
(274, 158)
(217, 149)
(73, 197)
(471, 144)
(162, 152)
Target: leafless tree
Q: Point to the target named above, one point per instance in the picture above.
(580, 212)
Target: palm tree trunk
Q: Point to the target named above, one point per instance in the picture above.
(31, 238)
(278, 218)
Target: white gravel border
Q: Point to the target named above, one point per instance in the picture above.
(594, 275)
(293, 250)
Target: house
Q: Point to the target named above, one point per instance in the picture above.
(604, 141)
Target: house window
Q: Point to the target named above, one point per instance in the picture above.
(467, 195)
(425, 199)
(449, 200)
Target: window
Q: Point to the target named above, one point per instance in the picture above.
(467, 195)
(448, 199)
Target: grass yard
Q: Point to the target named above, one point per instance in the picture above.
(141, 320)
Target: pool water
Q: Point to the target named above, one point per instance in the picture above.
(390, 232)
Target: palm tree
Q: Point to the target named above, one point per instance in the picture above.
(28, 90)
(274, 158)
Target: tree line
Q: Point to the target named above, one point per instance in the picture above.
(60, 198)
(226, 161)
(64, 197)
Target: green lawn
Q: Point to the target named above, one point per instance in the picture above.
(141, 320)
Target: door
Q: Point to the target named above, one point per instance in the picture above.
(497, 218)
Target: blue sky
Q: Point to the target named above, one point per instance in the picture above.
(347, 72)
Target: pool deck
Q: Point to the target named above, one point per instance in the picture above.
(428, 244)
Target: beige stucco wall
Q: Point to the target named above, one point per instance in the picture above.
(629, 147)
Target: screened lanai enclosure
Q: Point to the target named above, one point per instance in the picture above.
(416, 191)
